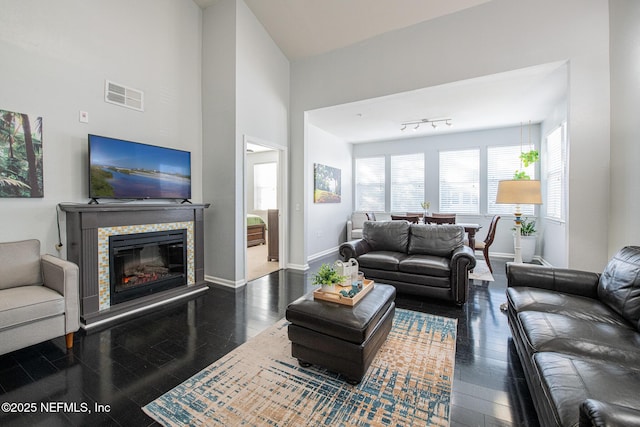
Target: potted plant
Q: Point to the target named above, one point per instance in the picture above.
(327, 277)
(425, 207)
(528, 158)
(527, 239)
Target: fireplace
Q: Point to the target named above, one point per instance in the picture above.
(89, 232)
(145, 263)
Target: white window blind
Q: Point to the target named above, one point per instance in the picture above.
(460, 181)
(555, 174)
(370, 184)
(265, 183)
(407, 182)
(502, 163)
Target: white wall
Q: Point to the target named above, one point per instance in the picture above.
(432, 145)
(625, 133)
(328, 221)
(512, 38)
(245, 93)
(55, 59)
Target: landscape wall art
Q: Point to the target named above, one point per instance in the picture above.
(327, 185)
(20, 155)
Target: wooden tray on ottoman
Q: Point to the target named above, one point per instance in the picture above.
(335, 296)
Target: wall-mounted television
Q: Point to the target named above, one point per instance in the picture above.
(120, 169)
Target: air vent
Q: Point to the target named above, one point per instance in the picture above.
(124, 96)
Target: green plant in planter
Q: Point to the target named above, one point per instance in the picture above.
(527, 227)
(528, 158)
(327, 275)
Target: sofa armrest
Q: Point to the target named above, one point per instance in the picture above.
(353, 249)
(63, 277)
(577, 282)
(349, 229)
(594, 413)
(463, 253)
(462, 261)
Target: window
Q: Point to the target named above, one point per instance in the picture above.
(265, 183)
(370, 183)
(555, 174)
(502, 162)
(407, 182)
(460, 181)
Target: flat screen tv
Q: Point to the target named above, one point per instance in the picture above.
(120, 169)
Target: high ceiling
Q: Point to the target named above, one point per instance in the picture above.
(303, 28)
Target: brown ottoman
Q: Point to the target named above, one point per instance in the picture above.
(341, 338)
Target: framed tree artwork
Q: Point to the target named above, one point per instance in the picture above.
(20, 155)
(326, 180)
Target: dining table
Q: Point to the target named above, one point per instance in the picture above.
(471, 229)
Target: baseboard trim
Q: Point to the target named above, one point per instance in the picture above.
(299, 267)
(505, 255)
(224, 282)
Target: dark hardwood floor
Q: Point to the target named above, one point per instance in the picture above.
(127, 365)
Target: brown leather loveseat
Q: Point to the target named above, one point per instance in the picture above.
(576, 334)
(426, 260)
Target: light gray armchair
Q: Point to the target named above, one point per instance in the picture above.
(38, 296)
(355, 224)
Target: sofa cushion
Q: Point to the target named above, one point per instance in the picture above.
(27, 304)
(619, 285)
(381, 260)
(567, 381)
(524, 298)
(20, 264)
(387, 236)
(428, 265)
(440, 240)
(583, 338)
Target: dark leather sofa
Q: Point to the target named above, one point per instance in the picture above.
(576, 334)
(427, 260)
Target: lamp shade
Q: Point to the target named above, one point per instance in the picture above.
(519, 191)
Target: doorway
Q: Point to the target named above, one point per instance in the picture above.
(264, 202)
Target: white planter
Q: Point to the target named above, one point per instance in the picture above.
(327, 288)
(528, 247)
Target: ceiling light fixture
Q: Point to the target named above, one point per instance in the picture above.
(434, 123)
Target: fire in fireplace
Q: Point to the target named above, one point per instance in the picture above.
(144, 263)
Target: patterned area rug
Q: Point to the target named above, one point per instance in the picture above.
(481, 272)
(259, 383)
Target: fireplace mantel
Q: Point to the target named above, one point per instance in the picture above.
(86, 225)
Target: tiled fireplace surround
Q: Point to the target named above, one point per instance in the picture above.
(88, 230)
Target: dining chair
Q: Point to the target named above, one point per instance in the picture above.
(413, 219)
(444, 215)
(484, 244)
(440, 219)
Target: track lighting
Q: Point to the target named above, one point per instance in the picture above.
(434, 123)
